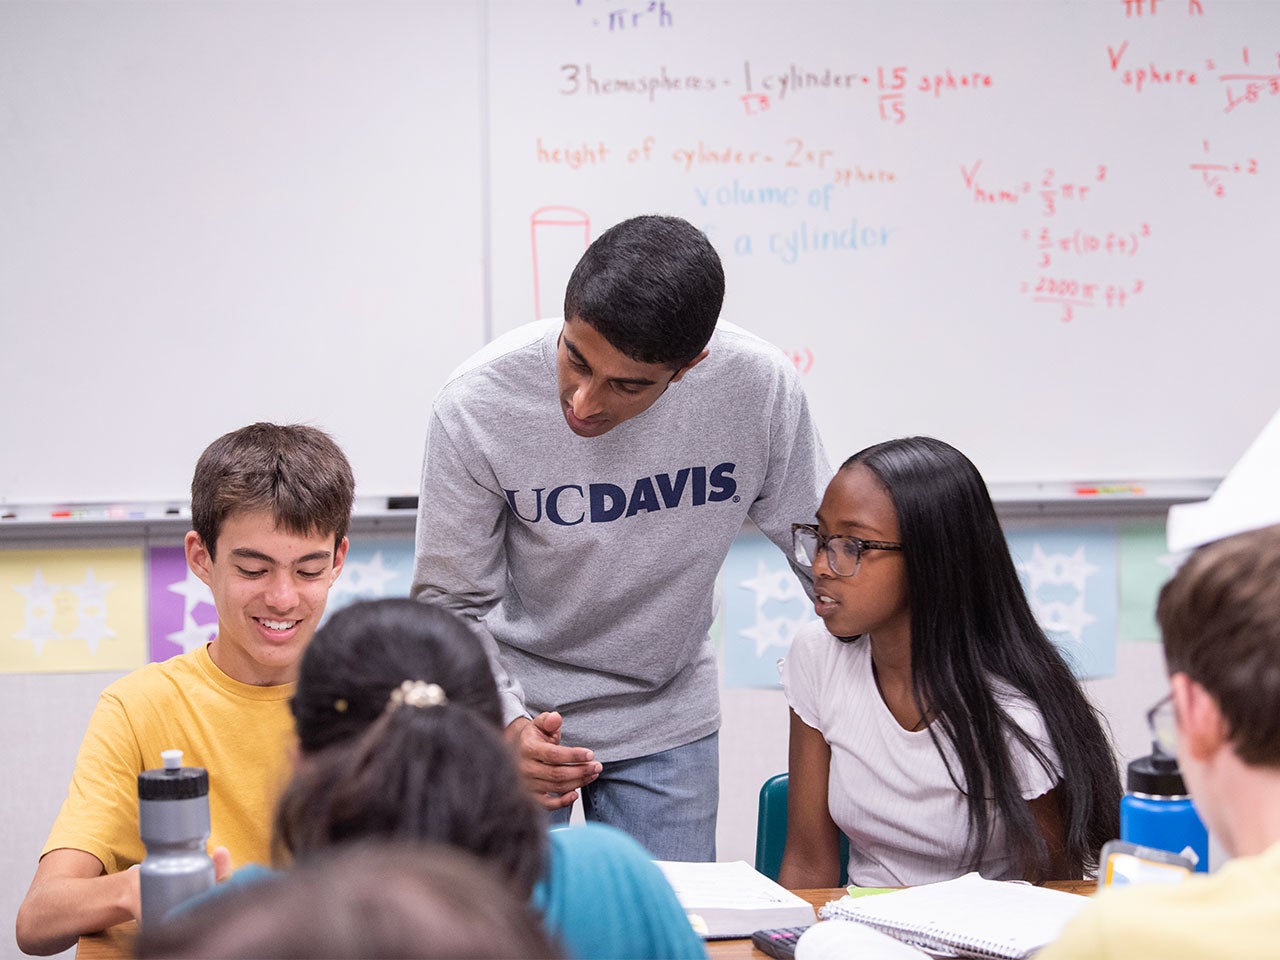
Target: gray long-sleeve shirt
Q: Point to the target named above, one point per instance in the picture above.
(591, 562)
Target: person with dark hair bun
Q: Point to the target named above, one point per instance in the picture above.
(932, 721)
(400, 735)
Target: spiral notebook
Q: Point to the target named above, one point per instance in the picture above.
(969, 916)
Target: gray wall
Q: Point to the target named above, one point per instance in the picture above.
(43, 717)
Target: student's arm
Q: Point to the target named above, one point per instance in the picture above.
(460, 560)
(1039, 775)
(70, 896)
(812, 855)
(460, 564)
(1048, 813)
(798, 471)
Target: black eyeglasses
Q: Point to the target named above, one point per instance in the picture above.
(1164, 726)
(844, 554)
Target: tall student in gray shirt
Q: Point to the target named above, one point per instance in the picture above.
(582, 483)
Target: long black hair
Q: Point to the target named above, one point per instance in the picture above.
(970, 621)
(375, 767)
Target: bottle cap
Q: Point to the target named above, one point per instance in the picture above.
(1156, 775)
(173, 781)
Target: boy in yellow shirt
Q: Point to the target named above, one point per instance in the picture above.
(270, 506)
(1220, 618)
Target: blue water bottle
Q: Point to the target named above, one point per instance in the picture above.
(1156, 810)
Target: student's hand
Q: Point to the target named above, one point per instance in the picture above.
(70, 895)
(553, 772)
(222, 868)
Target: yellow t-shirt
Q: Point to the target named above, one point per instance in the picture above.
(1231, 913)
(240, 733)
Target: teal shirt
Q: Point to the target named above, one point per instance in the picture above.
(603, 897)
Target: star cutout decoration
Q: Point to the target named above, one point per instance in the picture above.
(37, 614)
(1057, 568)
(193, 635)
(1058, 617)
(193, 591)
(91, 595)
(777, 586)
(368, 579)
(92, 630)
(780, 585)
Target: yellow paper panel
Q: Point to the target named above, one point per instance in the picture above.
(71, 610)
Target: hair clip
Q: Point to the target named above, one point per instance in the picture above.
(417, 693)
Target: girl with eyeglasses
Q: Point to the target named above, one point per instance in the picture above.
(932, 721)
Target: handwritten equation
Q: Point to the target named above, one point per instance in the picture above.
(1250, 86)
(1083, 166)
(1249, 81)
(1071, 293)
(1048, 195)
(759, 91)
(1215, 174)
(1045, 190)
(791, 153)
(1082, 243)
(622, 18)
(889, 84)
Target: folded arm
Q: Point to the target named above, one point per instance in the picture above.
(72, 895)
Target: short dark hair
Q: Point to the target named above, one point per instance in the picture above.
(297, 472)
(970, 620)
(1220, 619)
(370, 768)
(366, 900)
(652, 286)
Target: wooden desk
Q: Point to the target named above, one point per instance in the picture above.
(116, 943)
(113, 943)
(743, 950)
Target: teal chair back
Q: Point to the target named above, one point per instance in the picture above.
(771, 830)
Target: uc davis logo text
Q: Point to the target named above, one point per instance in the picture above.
(571, 503)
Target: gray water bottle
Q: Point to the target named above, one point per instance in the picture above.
(173, 818)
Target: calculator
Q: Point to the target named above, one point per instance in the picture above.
(779, 942)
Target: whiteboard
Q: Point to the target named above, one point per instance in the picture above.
(220, 211)
(213, 213)
(1043, 231)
